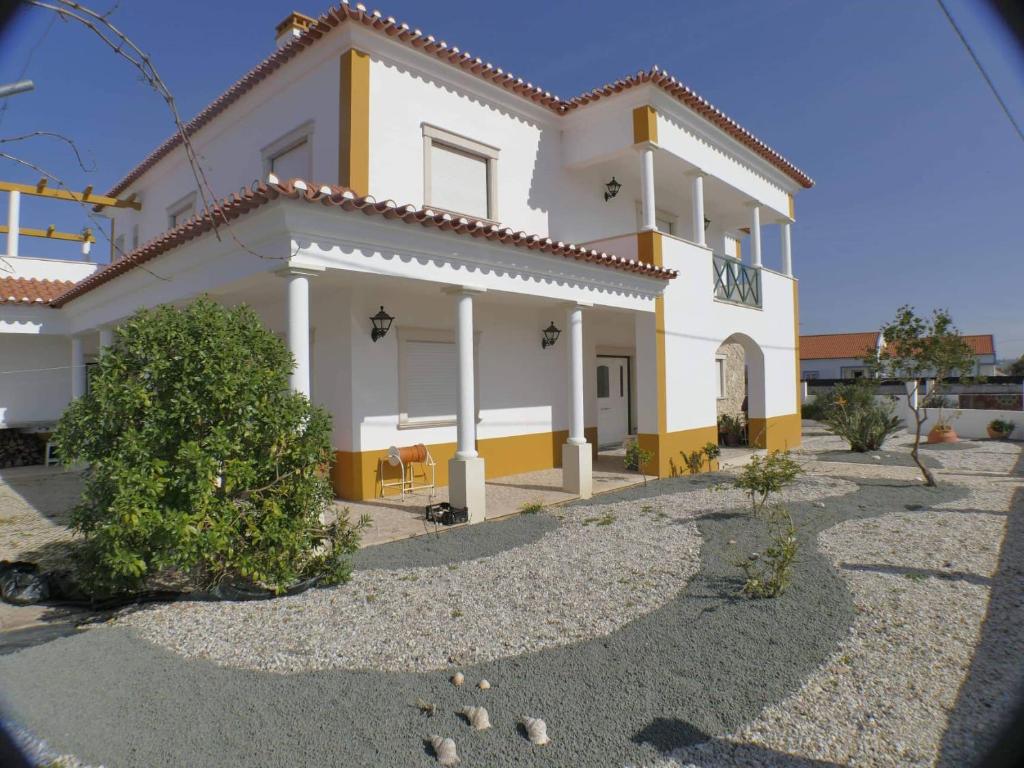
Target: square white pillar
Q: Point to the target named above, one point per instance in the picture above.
(787, 249)
(755, 235)
(648, 207)
(698, 208)
(577, 469)
(77, 368)
(466, 487)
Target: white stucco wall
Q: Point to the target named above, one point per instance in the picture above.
(35, 383)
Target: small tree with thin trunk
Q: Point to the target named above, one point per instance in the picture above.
(917, 348)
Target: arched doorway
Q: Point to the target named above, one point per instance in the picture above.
(740, 390)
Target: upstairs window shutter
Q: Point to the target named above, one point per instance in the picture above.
(431, 382)
(459, 180)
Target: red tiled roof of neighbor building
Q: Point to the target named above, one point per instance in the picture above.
(467, 62)
(26, 290)
(981, 344)
(345, 200)
(829, 346)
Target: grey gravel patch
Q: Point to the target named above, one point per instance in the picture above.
(701, 665)
(457, 545)
(881, 458)
(940, 447)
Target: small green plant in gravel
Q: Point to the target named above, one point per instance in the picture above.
(695, 460)
(201, 460)
(637, 458)
(763, 476)
(531, 508)
(770, 574)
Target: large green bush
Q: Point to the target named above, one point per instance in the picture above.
(855, 413)
(201, 462)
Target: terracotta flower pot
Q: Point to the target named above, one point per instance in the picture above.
(997, 435)
(947, 435)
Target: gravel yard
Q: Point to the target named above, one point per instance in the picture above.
(616, 620)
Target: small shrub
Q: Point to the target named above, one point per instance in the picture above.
(762, 477)
(531, 508)
(853, 412)
(201, 460)
(731, 428)
(1003, 426)
(637, 458)
(695, 459)
(814, 409)
(770, 574)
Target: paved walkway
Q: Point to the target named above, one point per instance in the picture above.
(394, 518)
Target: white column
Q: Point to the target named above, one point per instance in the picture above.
(13, 222)
(787, 249)
(106, 337)
(647, 203)
(77, 368)
(577, 459)
(755, 236)
(466, 470)
(298, 325)
(698, 209)
(466, 448)
(576, 433)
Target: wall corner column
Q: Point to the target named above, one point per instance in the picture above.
(697, 194)
(354, 122)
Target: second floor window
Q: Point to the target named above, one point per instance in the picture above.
(291, 156)
(181, 211)
(460, 174)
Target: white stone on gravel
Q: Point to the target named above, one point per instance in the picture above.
(604, 566)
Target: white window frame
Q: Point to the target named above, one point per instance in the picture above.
(720, 363)
(298, 135)
(431, 135)
(406, 335)
(186, 203)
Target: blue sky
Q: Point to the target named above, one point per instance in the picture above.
(920, 177)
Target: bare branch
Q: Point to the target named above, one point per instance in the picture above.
(53, 135)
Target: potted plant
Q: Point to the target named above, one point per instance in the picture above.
(1000, 429)
(943, 431)
(730, 429)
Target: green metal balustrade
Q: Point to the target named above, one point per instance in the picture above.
(737, 282)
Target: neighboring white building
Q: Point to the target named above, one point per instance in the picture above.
(505, 223)
(841, 355)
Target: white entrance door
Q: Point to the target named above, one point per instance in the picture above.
(612, 401)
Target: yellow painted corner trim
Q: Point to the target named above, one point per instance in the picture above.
(668, 448)
(645, 124)
(776, 433)
(649, 248)
(354, 122)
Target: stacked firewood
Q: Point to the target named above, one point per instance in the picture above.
(20, 449)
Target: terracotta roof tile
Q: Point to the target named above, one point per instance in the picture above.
(981, 344)
(25, 290)
(830, 346)
(344, 200)
(467, 62)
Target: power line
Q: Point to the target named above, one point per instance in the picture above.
(977, 63)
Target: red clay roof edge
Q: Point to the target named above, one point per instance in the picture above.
(464, 60)
(297, 189)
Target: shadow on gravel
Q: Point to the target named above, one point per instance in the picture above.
(994, 687)
(668, 735)
(918, 573)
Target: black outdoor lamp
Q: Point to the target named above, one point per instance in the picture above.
(613, 188)
(550, 336)
(381, 325)
(707, 223)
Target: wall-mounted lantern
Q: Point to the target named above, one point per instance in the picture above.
(707, 223)
(381, 325)
(612, 189)
(550, 336)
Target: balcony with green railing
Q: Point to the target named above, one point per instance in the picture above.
(736, 282)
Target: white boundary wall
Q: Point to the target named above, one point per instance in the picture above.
(968, 423)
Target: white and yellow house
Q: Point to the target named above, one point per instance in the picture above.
(398, 173)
